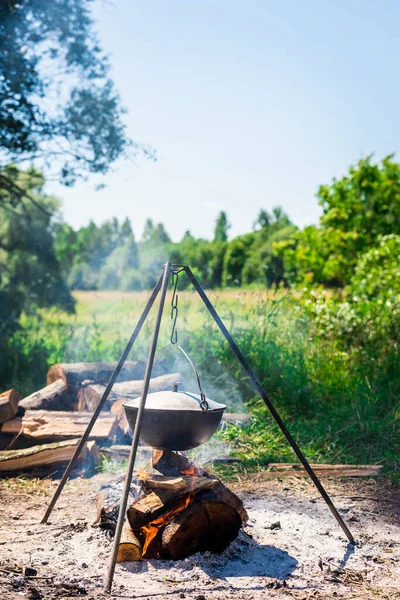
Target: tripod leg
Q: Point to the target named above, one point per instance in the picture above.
(269, 404)
(136, 433)
(102, 401)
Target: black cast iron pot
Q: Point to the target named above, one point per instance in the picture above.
(176, 420)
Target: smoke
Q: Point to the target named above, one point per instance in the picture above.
(220, 386)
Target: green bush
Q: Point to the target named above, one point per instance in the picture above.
(377, 273)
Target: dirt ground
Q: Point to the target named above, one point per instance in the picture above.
(291, 547)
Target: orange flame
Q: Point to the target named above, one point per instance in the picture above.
(193, 471)
(150, 531)
(142, 474)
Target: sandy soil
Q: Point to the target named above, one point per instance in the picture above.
(291, 547)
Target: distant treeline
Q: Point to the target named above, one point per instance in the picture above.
(42, 258)
(358, 210)
(108, 256)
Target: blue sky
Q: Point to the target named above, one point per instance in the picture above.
(249, 104)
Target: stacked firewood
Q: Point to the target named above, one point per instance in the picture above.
(44, 428)
(173, 514)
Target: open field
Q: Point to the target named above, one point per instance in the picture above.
(341, 402)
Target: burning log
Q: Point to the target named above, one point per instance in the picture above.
(160, 482)
(173, 463)
(170, 463)
(54, 396)
(218, 523)
(74, 374)
(8, 405)
(173, 516)
(150, 506)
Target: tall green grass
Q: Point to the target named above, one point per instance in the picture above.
(340, 401)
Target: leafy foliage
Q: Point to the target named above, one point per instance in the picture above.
(50, 51)
(357, 210)
(30, 274)
(108, 257)
(222, 227)
(377, 273)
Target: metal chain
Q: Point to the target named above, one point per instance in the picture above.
(174, 309)
(174, 336)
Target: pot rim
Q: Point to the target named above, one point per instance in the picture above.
(177, 410)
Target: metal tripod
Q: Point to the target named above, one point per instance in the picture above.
(162, 285)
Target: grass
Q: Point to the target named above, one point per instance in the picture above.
(341, 405)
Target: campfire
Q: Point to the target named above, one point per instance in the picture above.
(176, 512)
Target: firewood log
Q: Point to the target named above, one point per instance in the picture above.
(170, 463)
(320, 471)
(107, 503)
(47, 454)
(90, 394)
(173, 464)
(230, 498)
(130, 546)
(53, 396)
(88, 399)
(59, 425)
(74, 374)
(207, 524)
(8, 405)
(147, 508)
(162, 482)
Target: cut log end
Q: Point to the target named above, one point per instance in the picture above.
(130, 547)
(9, 405)
(88, 399)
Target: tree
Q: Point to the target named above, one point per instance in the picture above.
(358, 210)
(148, 230)
(187, 235)
(126, 229)
(124, 258)
(57, 102)
(237, 254)
(65, 241)
(30, 274)
(222, 227)
(265, 263)
(29, 270)
(263, 220)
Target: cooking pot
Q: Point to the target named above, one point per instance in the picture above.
(176, 420)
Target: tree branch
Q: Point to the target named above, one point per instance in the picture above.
(19, 191)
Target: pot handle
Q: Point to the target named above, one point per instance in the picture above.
(203, 402)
